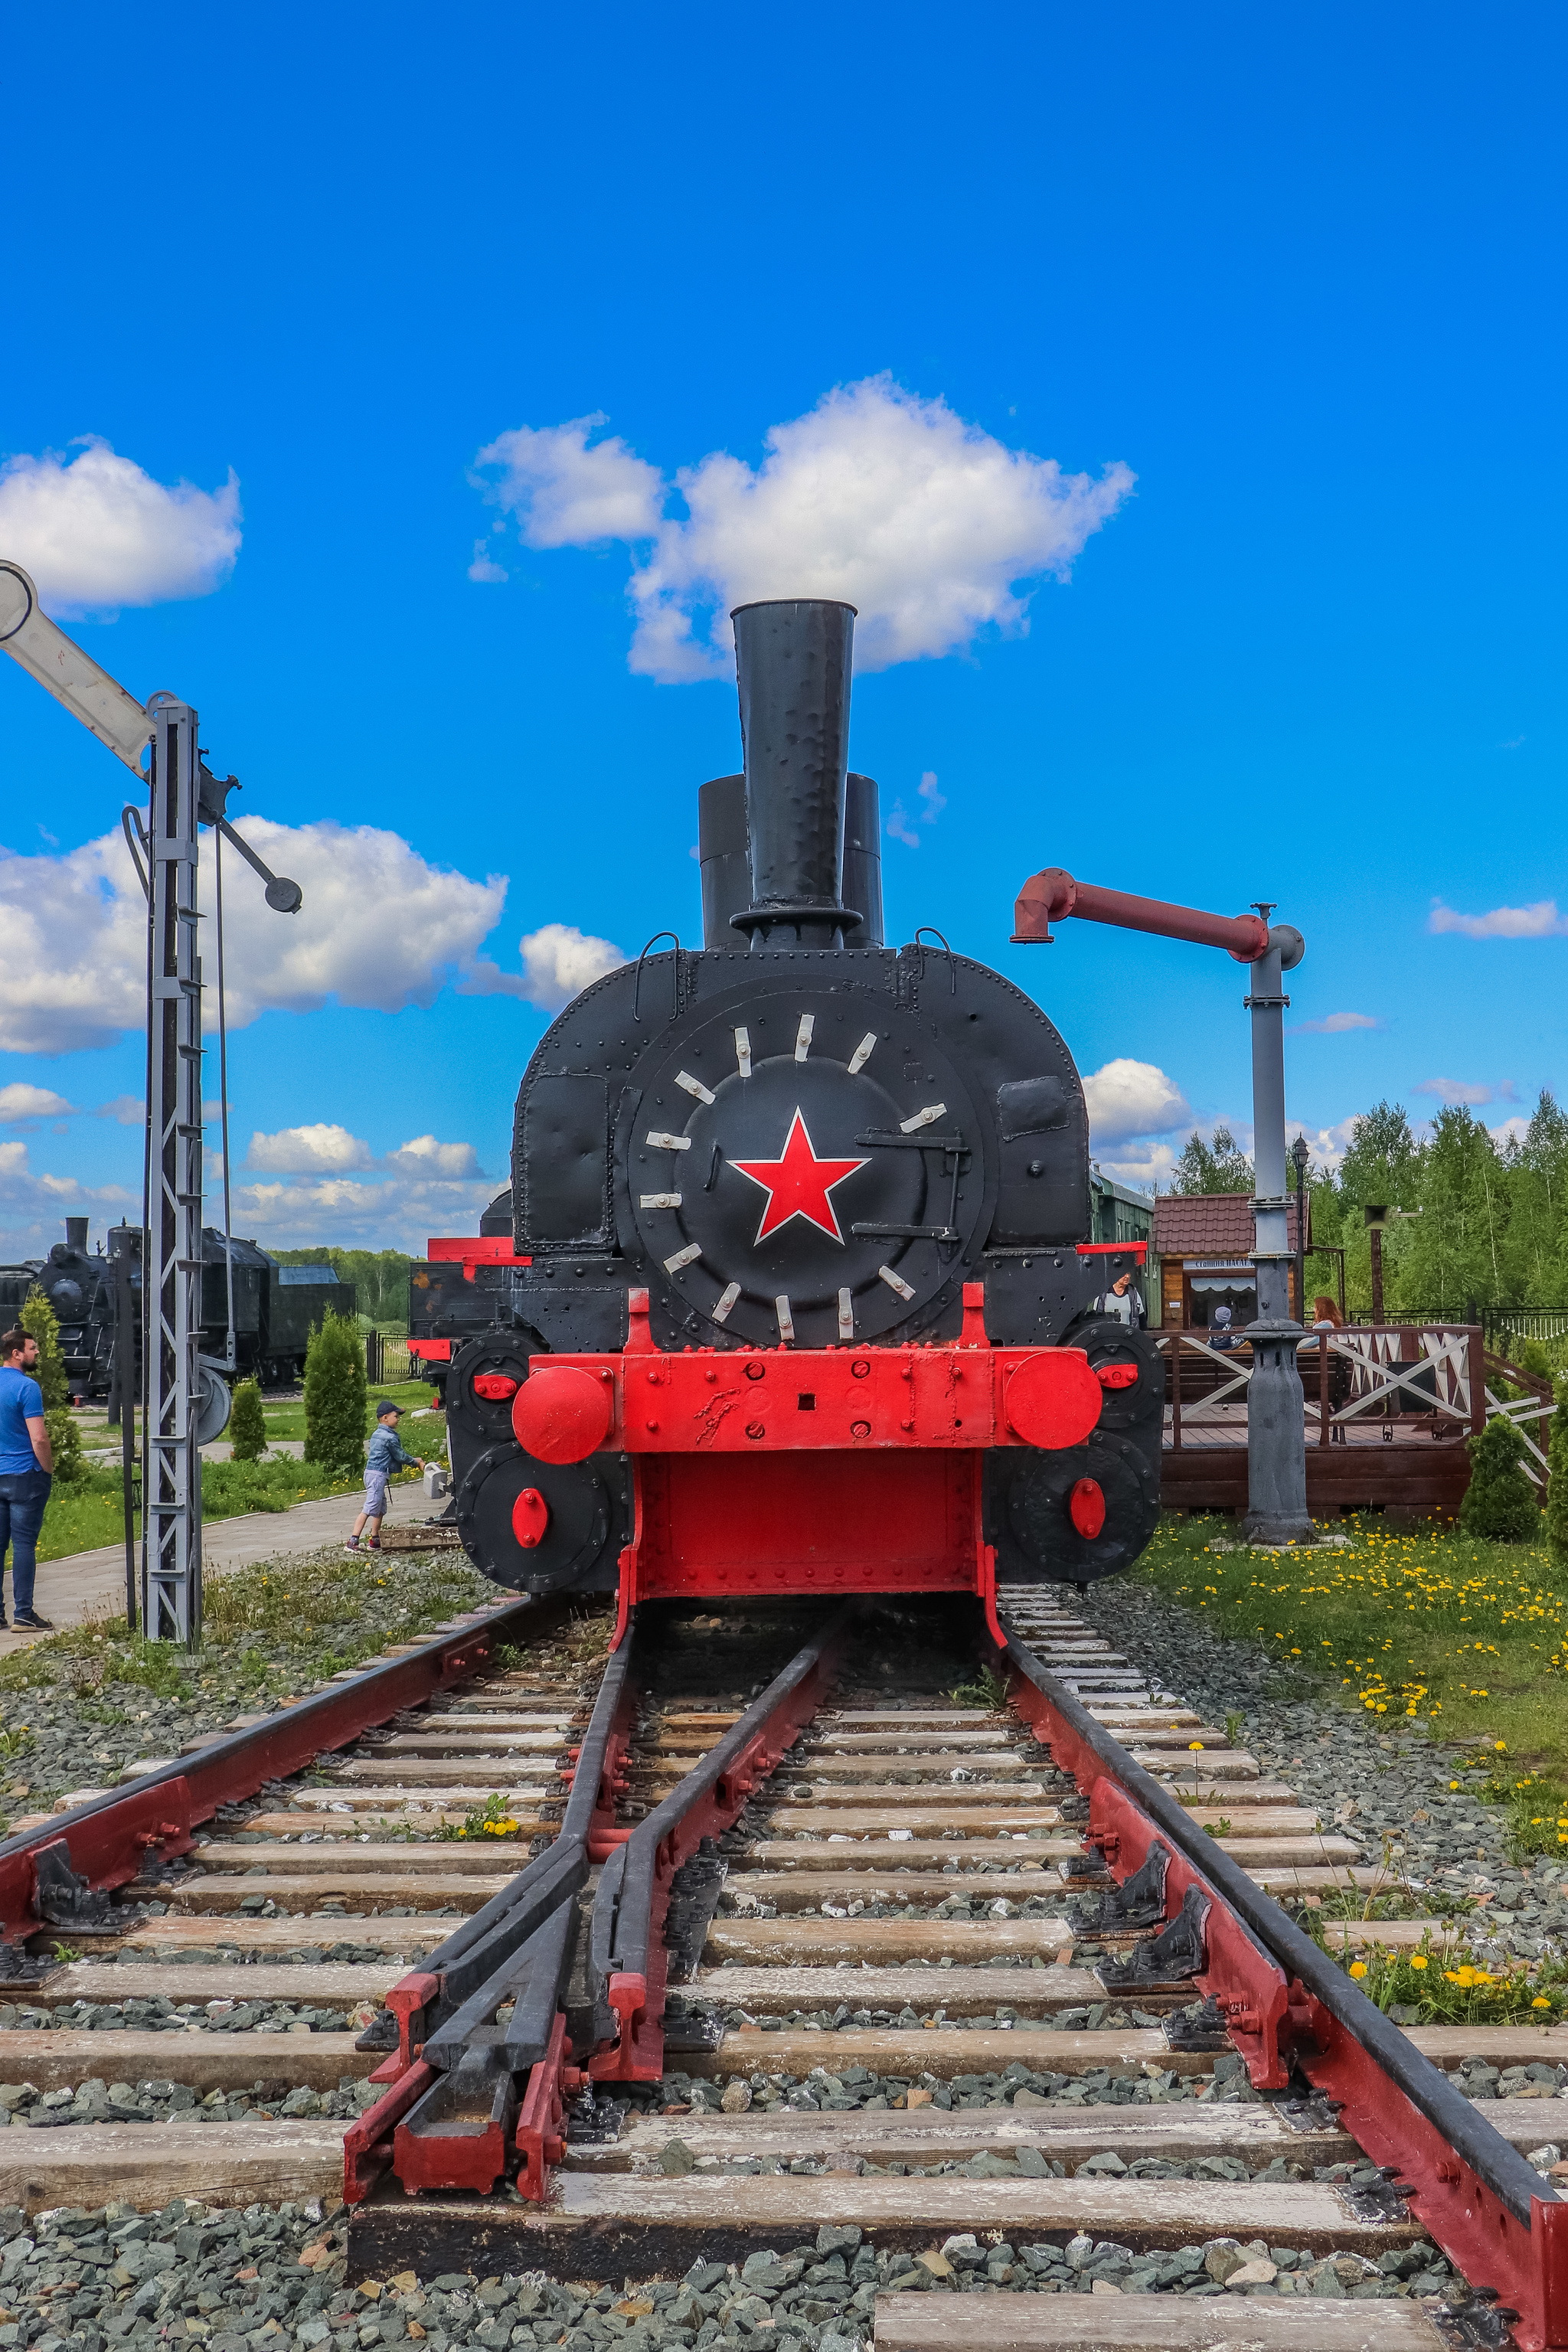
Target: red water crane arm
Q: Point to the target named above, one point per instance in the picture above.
(1050, 896)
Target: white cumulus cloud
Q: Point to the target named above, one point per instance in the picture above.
(349, 1212)
(929, 526)
(1541, 921)
(1146, 1166)
(1459, 1090)
(423, 1155)
(1333, 1025)
(381, 927)
(20, 1103)
(558, 961)
(97, 533)
(34, 1207)
(299, 1151)
(1132, 1098)
(900, 825)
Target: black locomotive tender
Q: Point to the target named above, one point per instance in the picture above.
(275, 1307)
(796, 1138)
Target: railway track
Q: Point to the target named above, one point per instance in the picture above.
(818, 1997)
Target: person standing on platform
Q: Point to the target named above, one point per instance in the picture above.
(26, 1475)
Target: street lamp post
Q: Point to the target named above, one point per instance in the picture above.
(1300, 1159)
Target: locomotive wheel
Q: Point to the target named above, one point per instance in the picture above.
(1046, 1508)
(574, 1512)
(1115, 1347)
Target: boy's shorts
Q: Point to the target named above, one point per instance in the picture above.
(374, 1498)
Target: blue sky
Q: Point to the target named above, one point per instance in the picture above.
(1301, 276)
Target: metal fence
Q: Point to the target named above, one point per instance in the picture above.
(1506, 1328)
(388, 1360)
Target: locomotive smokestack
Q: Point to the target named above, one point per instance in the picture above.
(792, 668)
(863, 858)
(721, 847)
(76, 1234)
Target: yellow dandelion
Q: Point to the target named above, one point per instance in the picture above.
(1358, 1967)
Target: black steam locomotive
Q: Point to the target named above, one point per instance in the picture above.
(799, 1294)
(274, 1305)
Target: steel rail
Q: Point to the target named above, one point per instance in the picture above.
(1477, 2207)
(107, 1842)
(454, 2069)
(627, 1964)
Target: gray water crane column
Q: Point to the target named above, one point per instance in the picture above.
(1276, 1420)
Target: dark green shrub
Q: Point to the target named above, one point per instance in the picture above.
(38, 1318)
(334, 1397)
(248, 1425)
(1557, 1485)
(1500, 1503)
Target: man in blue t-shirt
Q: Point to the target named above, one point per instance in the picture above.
(27, 1474)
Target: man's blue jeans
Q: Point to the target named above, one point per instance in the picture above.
(22, 1498)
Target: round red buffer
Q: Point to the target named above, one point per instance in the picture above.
(1053, 1399)
(561, 1414)
(1086, 1507)
(530, 1518)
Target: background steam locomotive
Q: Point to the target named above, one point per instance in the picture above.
(274, 1307)
(797, 1293)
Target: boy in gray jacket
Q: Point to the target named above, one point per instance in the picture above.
(385, 1456)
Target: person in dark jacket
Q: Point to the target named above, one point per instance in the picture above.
(385, 1456)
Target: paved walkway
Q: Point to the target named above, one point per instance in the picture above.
(92, 1583)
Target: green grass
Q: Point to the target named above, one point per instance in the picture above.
(1427, 1988)
(1467, 1639)
(287, 1418)
(281, 1625)
(81, 1517)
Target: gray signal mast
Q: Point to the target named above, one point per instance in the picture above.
(184, 1403)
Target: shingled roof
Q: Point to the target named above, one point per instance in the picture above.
(1212, 1224)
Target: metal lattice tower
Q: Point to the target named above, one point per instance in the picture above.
(171, 1272)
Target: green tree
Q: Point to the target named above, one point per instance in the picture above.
(1220, 1166)
(1499, 1503)
(1457, 1245)
(38, 1318)
(335, 1396)
(380, 1278)
(1557, 1480)
(247, 1426)
(1536, 1168)
(1383, 1163)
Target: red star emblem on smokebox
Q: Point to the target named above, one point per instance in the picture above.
(798, 1183)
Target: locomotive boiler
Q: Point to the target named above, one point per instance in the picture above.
(798, 1294)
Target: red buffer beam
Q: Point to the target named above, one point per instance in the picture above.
(1050, 896)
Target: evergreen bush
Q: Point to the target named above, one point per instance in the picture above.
(1499, 1503)
(247, 1427)
(38, 1318)
(335, 1396)
(1557, 1482)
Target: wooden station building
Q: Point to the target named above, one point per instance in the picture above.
(1203, 1249)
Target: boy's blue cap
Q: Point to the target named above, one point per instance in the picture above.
(387, 1405)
